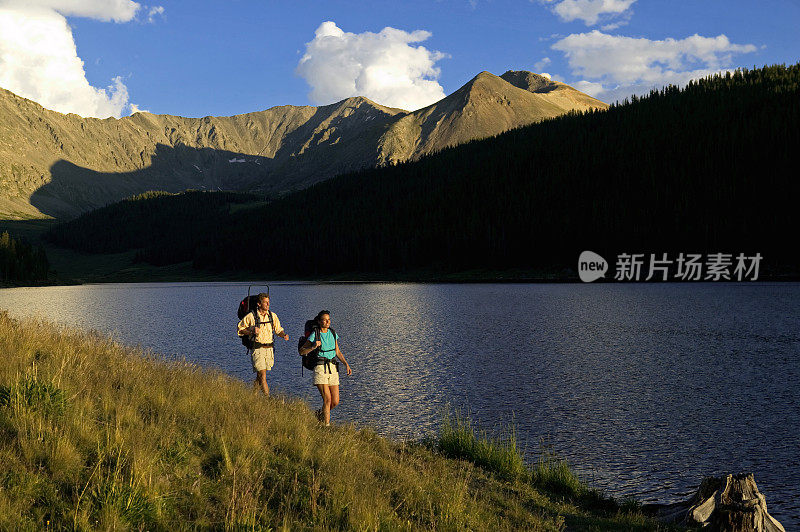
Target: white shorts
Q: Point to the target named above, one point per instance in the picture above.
(326, 376)
(263, 358)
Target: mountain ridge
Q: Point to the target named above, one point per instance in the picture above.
(54, 164)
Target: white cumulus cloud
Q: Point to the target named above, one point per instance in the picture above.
(107, 10)
(539, 65)
(590, 88)
(39, 59)
(618, 66)
(155, 11)
(589, 11)
(383, 67)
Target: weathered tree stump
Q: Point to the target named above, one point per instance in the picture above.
(731, 504)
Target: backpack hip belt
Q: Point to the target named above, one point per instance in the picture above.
(327, 363)
(257, 345)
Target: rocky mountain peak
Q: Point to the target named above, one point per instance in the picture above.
(529, 81)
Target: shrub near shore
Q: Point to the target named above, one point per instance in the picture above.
(97, 435)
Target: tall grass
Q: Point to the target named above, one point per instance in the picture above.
(95, 435)
(499, 453)
(555, 476)
(458, 438)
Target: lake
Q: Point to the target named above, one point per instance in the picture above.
(643, 388)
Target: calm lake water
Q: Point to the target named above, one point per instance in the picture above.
(643, 388)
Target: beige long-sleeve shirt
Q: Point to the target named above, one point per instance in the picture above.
(266, 332)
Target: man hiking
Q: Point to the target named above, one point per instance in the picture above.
(261, 324)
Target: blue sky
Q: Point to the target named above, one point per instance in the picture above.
(228, 57)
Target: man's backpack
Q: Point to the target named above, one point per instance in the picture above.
(249, 305)
(310, 359)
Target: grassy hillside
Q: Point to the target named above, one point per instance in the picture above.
(94, 435)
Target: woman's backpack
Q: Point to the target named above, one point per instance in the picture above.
(310, 359)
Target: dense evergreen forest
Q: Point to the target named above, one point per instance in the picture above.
(20, 262)
(707, 168)
(166, 224)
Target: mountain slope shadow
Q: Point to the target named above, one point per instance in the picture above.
(75, 189)
(338, 138)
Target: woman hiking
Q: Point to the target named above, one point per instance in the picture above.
(326, 372)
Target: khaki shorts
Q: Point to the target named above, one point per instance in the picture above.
(321, 376)
(263, 358)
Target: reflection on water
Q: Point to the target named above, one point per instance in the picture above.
(645, 389)
(391, 347)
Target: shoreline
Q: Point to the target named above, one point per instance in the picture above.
(80, 413)
(199, 370)
(199, 276)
